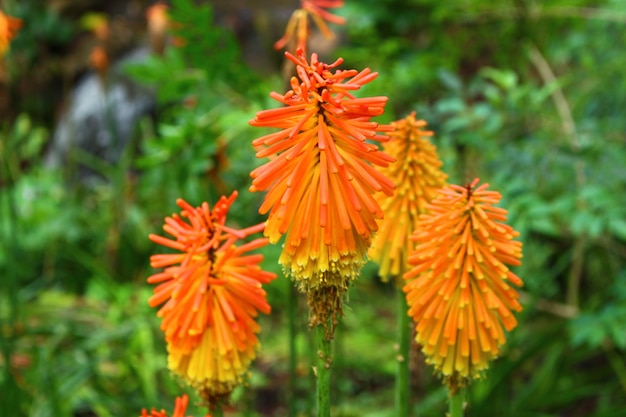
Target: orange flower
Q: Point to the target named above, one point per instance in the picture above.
(458, 290)
(321, 178)
(212, 294)
(179, 409)
(158, 25)
(418, 177)
(8, 29)
(157, 16)
(99, 60)
(298, 25)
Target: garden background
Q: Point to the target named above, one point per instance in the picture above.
(527, 95)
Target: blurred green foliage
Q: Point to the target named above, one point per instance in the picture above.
(525, 94)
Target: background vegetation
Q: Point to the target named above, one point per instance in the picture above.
(528, 95)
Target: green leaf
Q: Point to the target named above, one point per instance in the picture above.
(451, 105)
(450, 80)
(505, 79)
(618, 227)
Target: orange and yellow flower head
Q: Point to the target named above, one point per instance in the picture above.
(459, 288)
(180, 408)
(321, 178)
(418, 177)
(8, 29)
(211, 293)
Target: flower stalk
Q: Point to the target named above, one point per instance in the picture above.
(324, 361)
(456, 401)
(403, 374)
(292, 303)
(217, 410)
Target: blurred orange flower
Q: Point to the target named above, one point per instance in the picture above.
(418, 177)
(179, 409)
(212, 294)
(458, 289)
(158, 20)
(298, 26)
(99, 60)
(8, 29)
(158, 25)
(321, 179)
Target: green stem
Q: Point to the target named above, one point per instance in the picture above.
(575, 272)
(324, 359)
(402, 367)
(617, 364)
(216, 411)
(456, 403)
(292, 301)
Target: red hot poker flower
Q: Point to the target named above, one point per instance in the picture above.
(298, 25)
(8, 29)
(321, 178)
(212, 293)
(458, 289)
(418, 177)
(158, 25)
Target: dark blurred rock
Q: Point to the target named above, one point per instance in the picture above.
(100, 119)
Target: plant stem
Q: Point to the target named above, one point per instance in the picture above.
(617, 364)
(402, 368)
(216, 411)
(456, 403)
(292, 301)
(575, 272)
(324, 360)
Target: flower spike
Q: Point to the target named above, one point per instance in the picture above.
(321, 178)
(210, 294)
(459, 290)
(418, 177)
